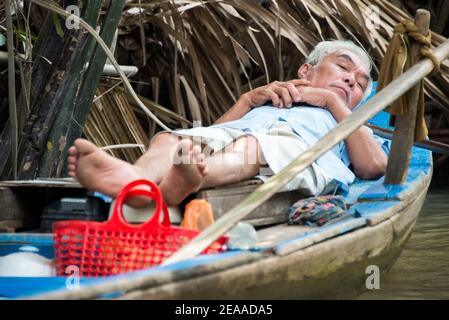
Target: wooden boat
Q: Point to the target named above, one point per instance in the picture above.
(290, 262)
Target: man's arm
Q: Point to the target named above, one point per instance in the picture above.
(367, 157)
(282, 95)
(237, 111)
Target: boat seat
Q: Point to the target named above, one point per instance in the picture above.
(224, 198)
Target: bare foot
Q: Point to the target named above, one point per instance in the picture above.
(96, 170)
(185, 176)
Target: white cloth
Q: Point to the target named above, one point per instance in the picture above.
(311, 124)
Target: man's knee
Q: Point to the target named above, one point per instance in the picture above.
(243, 144)
(164, 139)
(249, 146)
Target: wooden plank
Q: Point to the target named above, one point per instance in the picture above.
(15, 212)
(377, 212)
(21, 206)
(43, 183)
(418, 173)
(269, 237)
(26, 238)
(10, 226)
(382, 192)
(271, 212)
(404, 133)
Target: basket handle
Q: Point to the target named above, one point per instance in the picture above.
(128, 192)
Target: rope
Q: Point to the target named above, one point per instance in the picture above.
(411, 30)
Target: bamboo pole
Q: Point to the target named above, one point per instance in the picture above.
(404, 133)
(385, 97)
(53, 106)
(108, 69)
(75, 105)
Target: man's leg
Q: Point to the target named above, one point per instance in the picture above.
(97, 170)
(156, 162)
(238, 161)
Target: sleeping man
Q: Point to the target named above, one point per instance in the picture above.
(263, 132)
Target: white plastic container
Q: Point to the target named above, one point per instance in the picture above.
(26, 263)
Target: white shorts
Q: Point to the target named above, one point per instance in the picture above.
(279, 146)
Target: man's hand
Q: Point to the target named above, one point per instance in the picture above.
(281, 94)
(319, 97)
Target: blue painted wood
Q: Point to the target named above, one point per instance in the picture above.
(376, 212)
(420, 165)
(368, 209)
(21, 287)
(356, 189)
(26, 238)
(379, 191)
(11, 242)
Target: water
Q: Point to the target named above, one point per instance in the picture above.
(422, 270)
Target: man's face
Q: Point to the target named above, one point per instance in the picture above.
(341, 72)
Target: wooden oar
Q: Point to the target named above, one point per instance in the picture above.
(384, 98)
(431, 145)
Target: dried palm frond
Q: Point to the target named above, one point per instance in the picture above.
(2, 12)
(112, 121)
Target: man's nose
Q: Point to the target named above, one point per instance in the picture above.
(349, 80)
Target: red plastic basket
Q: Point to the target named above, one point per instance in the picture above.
(115, 246)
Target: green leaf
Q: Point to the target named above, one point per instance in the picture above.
(2, 40)
(57, 24)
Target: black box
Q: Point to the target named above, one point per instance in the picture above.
(87, 208)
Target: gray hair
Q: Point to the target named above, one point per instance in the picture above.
(324, 48)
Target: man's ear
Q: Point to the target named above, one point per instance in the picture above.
(304, 71)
